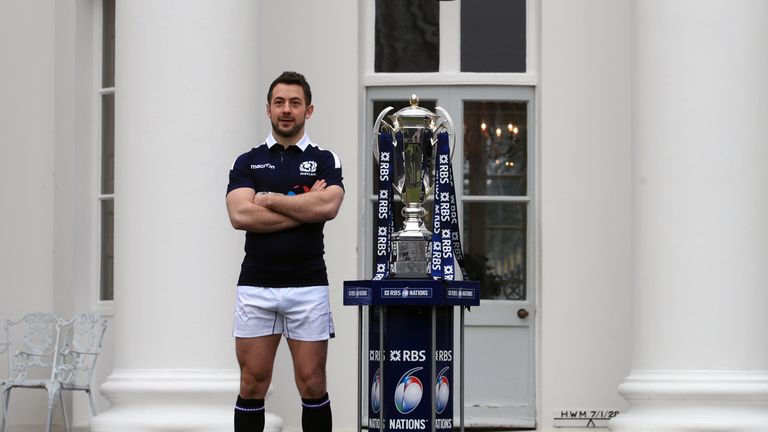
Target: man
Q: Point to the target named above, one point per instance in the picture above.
(281, 193)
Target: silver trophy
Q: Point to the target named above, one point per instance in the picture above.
(413, 179)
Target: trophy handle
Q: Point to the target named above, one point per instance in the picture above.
(447, 125)
(376, 127)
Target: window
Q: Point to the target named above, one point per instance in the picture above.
(407, 36)
(493, 36)
(410, 34)
(106, 195)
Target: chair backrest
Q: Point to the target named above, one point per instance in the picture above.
(31, 343)
(79, 345)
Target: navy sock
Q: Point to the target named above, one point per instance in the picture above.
(316, 414)
(249, 415)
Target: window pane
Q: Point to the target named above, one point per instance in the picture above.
(108, 45)
(107, 151)
(108, 144)
(493, 36)
(495, 148)
(495, 248)
(107, 249)
(407, 36)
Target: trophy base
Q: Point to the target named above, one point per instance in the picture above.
(409, 275)
(410, 259)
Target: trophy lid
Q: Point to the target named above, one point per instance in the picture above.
(413, 112)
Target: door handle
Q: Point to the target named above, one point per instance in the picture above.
(522, 313)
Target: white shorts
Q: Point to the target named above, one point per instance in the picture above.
(300, 313)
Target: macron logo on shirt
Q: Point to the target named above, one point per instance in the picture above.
(262, 166)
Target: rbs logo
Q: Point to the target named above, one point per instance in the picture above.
(407, 355)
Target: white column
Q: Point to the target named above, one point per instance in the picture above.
(186, 103)
(700, 101)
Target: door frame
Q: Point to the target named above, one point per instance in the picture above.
(494, 312)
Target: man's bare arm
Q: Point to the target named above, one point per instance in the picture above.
(318, 205)
(246, 215)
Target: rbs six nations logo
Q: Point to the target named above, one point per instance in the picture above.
(376, 392)
(442, 390)
(408, 392)
(410, 389)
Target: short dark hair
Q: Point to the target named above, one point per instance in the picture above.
(291, 77)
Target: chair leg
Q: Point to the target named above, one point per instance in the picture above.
(64, 411)
(6, 399)
(2, 404)
(93, 403)
(52, 394)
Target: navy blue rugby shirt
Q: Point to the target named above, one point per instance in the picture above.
(293, 257)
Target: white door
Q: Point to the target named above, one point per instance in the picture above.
(492, 164)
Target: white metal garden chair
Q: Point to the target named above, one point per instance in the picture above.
(79, 342)
(69, 355)
(30, 345)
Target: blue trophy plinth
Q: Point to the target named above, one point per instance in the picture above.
(410, 353)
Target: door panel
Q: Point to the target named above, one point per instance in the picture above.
(499, 366)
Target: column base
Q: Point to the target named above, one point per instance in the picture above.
(145, 400)
(683, 401)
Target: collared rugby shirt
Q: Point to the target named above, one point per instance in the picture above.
(292, 257)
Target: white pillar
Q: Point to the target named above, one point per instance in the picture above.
(186, 104)
(700, 111)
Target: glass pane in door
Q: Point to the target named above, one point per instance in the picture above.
(495, 148)
(495, 242)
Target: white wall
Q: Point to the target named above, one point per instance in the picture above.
(585, 345)
(319, 39)
(26, 161)
(27, 127)
(46, 133)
